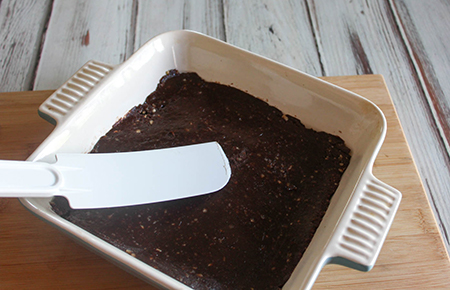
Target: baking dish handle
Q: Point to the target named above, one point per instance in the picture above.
(73, 92)
(365, 225)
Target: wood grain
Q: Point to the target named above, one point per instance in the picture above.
(18, 118)
(368, 41)
(427, 37)
(35, 255)
(80, 31)
(202, 16)
(280, 30)
(414, 243)
(20, 41)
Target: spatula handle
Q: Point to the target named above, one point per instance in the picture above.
(28, 179)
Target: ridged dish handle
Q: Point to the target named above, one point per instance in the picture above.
(366, 223)
(58, 106)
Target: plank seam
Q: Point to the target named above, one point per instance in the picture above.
(225, 20)
(440, 225)
(131, 47)
(222, 10)
(315, 36)
(35, 67)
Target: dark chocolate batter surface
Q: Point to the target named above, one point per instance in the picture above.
(252, 233)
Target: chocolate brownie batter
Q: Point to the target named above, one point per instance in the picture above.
(253, 232)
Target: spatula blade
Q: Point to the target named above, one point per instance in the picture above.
(104, 180)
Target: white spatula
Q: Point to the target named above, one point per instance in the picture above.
(120, 179)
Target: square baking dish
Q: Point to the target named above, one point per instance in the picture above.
(98, 95)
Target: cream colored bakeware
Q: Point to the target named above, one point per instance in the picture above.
(362, 209)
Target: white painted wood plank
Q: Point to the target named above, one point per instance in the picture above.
(80, 31)
(22, 24)
(156, 17)
(359, 37)
(280, 30)
(426, 27)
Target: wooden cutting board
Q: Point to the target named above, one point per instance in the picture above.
(35, 255)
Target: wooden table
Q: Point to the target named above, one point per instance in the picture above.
(35, 255)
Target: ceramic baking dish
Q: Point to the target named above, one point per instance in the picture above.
(362, 209)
